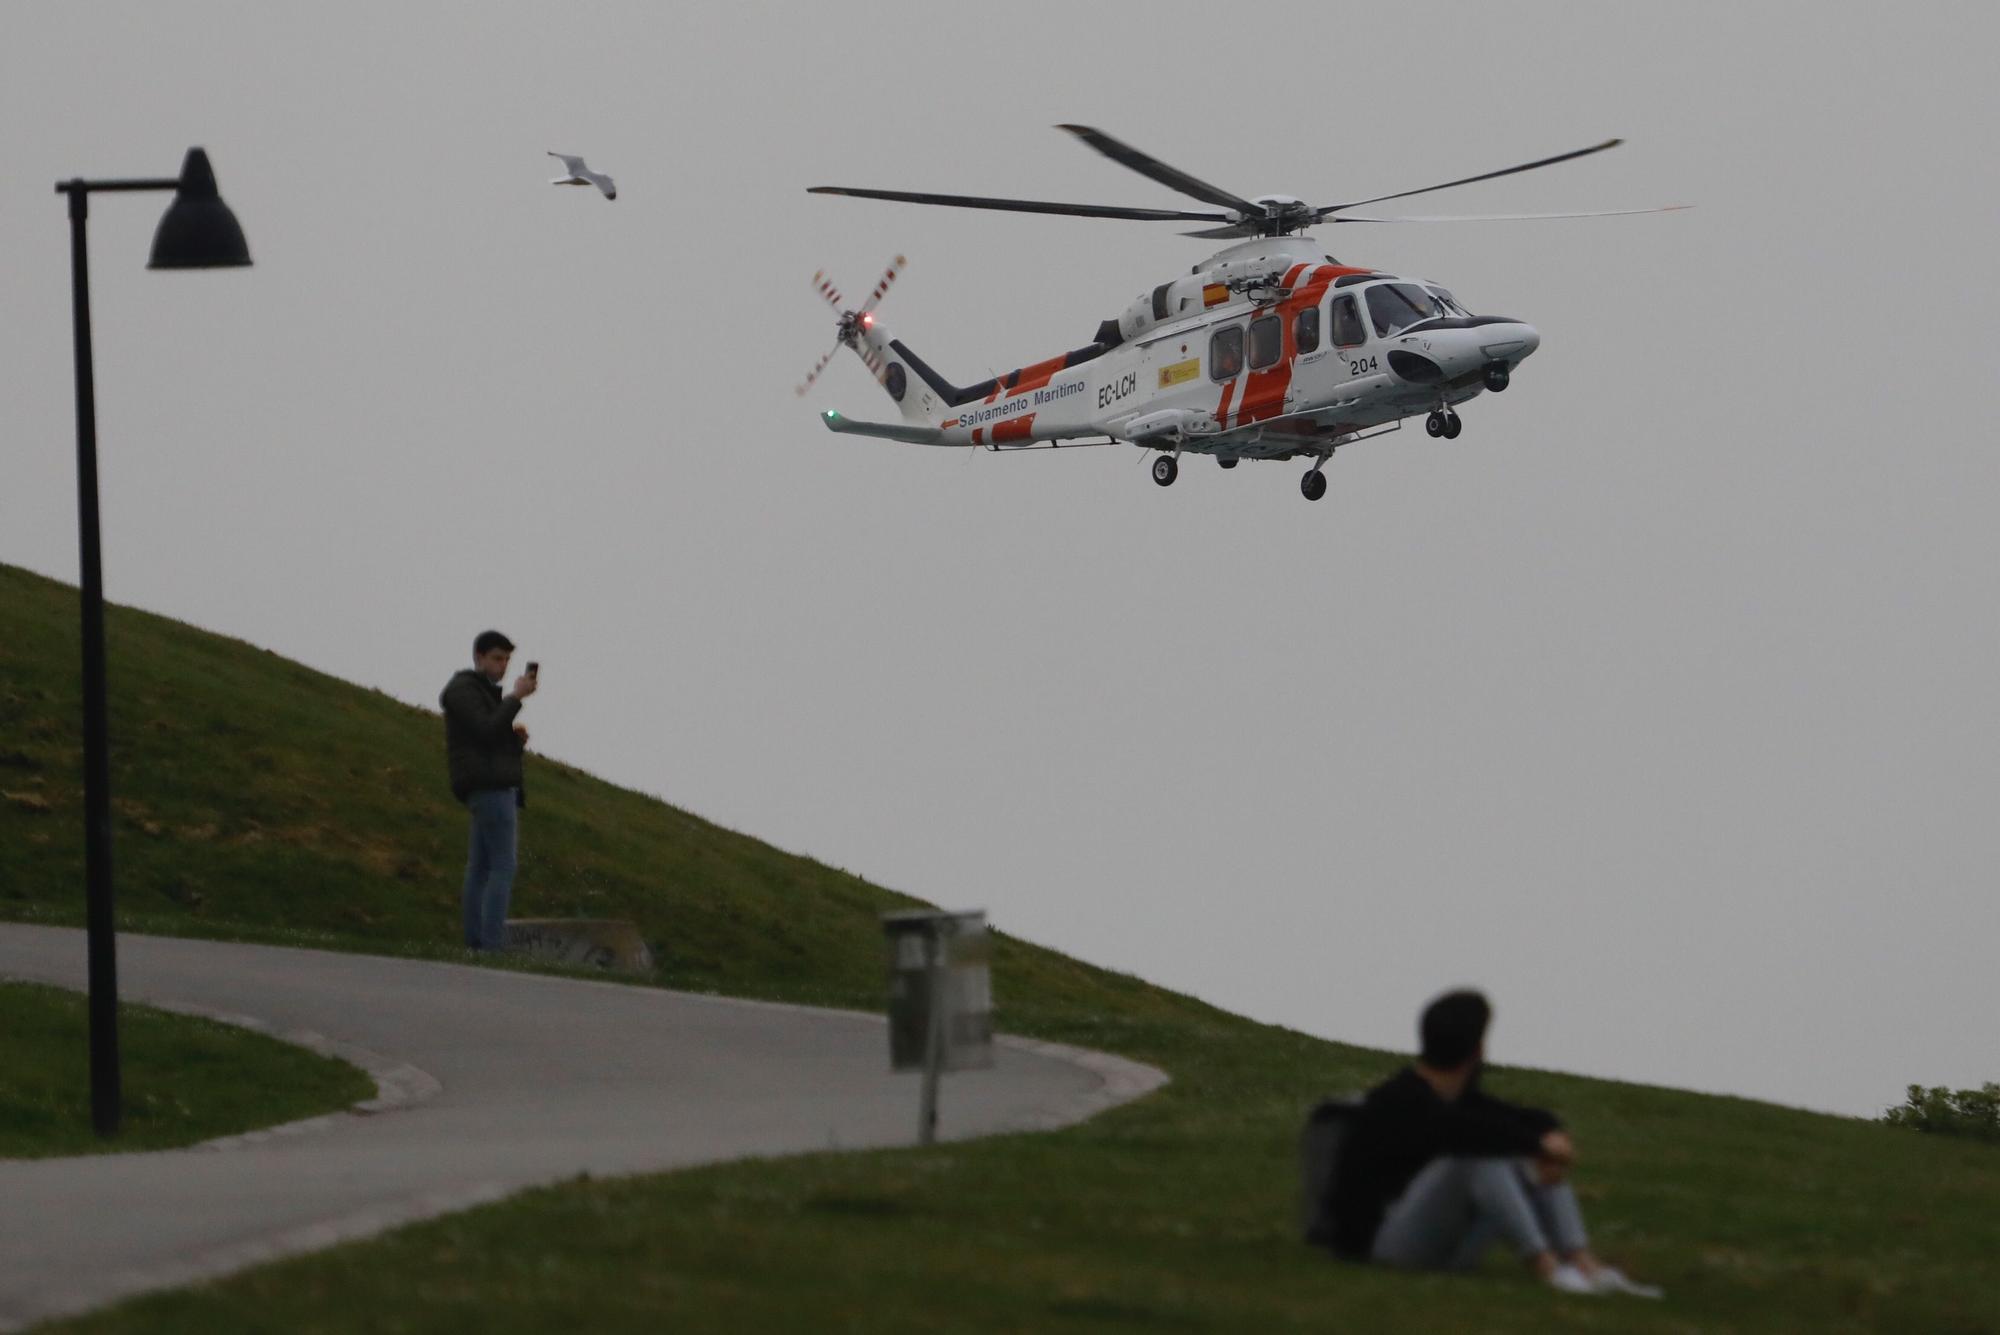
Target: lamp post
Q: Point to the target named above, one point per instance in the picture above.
(197, 232)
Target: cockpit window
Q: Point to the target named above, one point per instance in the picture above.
(1451, 303)
(1347, 330)
(1397, 306)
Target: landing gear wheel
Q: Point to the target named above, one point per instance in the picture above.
(1434, 424)
(1452, 426)
(1165, 470)
(1313, 485)
(1226, 463)
(1496, 377)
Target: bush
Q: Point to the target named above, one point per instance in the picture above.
(1961, 1112)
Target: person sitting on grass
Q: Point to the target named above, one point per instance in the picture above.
(1434, 1171)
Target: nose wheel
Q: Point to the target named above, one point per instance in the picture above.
(1444, 422)
(1165, 470)
(1313, 485)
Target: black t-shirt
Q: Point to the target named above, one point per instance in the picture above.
(1402, 1125)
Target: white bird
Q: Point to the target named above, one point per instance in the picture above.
(582, 175)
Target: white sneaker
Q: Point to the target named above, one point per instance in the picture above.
(1568, 1279)
(1610, 1279)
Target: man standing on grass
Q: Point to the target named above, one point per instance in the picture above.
(1434, 1171)
(483, 745)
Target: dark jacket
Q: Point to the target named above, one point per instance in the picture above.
(479, 740)
(1401, 1126)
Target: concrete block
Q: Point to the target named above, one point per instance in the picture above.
(602, 943)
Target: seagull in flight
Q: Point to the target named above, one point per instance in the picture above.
(582, 175)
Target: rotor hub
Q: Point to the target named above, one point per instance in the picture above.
(1282, 215)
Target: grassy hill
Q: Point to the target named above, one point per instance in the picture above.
(256, 799)
(260, 800)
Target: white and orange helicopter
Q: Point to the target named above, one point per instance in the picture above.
(1269, 349)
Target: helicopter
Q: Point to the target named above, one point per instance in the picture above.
(1268, 349)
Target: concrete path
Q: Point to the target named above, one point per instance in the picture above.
(488, 1082)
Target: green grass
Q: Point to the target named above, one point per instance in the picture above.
(185, 1079)
(263, 801)
(255, 799)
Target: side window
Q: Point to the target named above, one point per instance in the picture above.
(1267, 341)
(1225, 353)
(1347, 322)
(1305, 331)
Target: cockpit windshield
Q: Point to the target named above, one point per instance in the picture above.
(1452, 304)
(1396, 306)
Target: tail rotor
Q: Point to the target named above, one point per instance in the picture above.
(852, 323)
(807, 383)
(824, 286)
(887, 281)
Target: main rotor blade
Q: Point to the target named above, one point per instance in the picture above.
(1234, 231)
(1484, 176)
(1505, 217)
(1171, 177)
(1021, 205)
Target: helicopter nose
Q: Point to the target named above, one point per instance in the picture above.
(1488, 345)
(1505, 344)
(1511, 341)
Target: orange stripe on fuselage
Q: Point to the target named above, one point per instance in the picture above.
(1034, 377)
(1020, 428)
(1264, 391)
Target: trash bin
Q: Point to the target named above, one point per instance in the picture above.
(940, 959)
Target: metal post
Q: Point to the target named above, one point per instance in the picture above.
(934, 1039)
(105, 1097)
(211, 239)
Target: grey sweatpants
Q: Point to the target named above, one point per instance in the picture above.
(1455, 1209)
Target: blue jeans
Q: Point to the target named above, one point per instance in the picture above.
(489, 867)
(1455, 1209)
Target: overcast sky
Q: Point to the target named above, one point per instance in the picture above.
(1659, 703)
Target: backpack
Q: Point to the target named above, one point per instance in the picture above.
(1320, 1143)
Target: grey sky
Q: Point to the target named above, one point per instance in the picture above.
(1659, 703)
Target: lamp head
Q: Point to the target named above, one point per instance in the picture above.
(198, 231)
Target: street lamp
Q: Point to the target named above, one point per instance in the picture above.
(197, 232)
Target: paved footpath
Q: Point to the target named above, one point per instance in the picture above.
(488, 1082)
